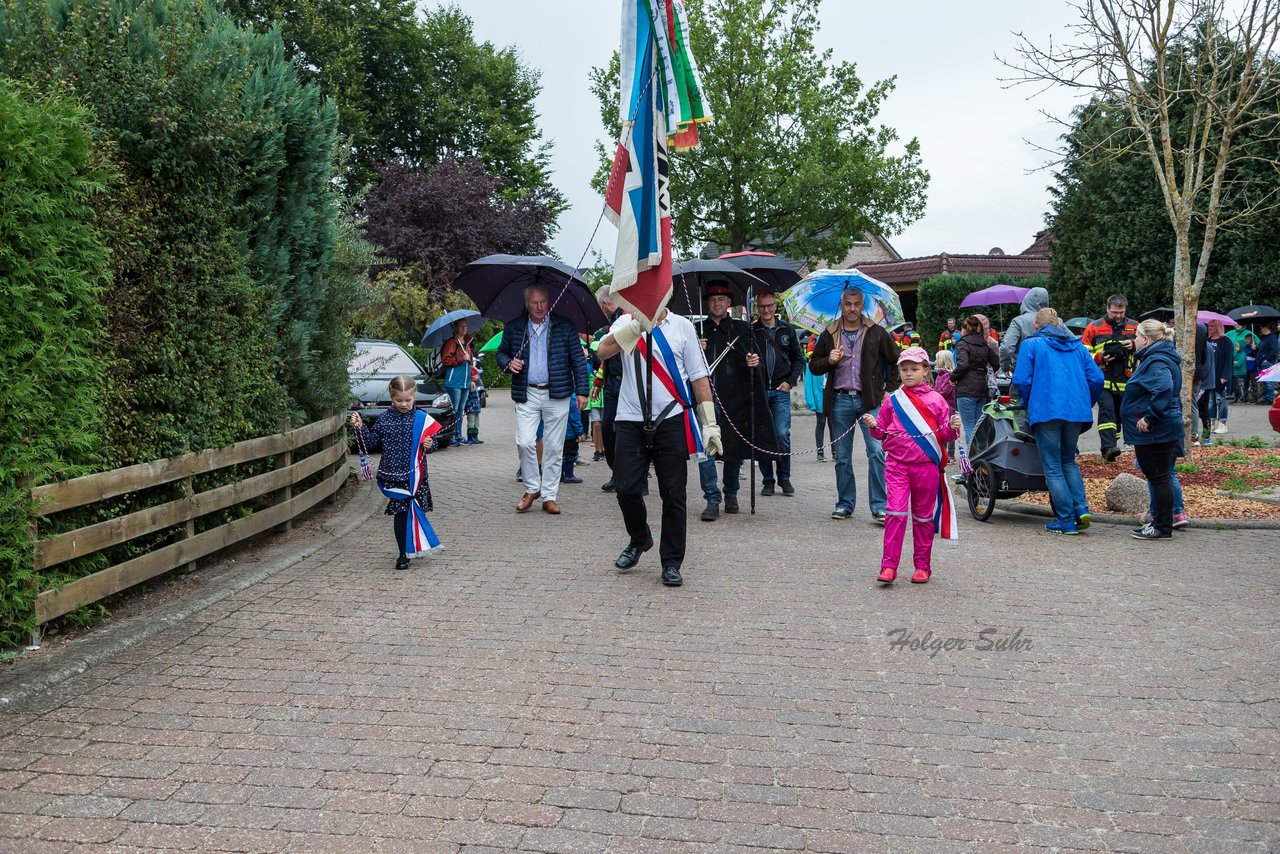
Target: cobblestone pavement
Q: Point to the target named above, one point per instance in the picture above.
(514, 692)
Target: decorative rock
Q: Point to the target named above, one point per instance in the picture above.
(1128, 494)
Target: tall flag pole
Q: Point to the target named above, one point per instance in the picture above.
(661, 103)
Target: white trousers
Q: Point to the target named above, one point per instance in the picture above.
(554, 417)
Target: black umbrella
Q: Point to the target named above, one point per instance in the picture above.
(781, 273)
(689, 280)
(496, 285)
(1164, 314)
(1253, 313)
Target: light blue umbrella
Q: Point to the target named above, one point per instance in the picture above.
(813, 303)
(443, 328)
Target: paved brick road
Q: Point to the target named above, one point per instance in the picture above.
(515, 693)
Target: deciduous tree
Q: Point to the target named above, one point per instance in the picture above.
(794, 161)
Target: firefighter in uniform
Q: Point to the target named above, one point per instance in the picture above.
(1110, 340)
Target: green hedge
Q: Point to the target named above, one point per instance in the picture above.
(231, 278)
(53, 269)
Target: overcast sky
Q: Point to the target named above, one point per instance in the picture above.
(978, 138)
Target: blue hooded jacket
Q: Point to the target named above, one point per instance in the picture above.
(1056, 377)
(1154, 392)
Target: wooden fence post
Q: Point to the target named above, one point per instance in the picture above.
(33, 537)
(186, 491)
(283, 461)
(340, 435)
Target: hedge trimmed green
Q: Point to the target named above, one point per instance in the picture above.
(940, 298)
(231, 287)
(53, 269)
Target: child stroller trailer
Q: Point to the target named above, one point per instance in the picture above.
(1003, 457)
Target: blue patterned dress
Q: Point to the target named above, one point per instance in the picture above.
(393, 433)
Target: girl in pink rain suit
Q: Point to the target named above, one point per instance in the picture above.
(915, 428)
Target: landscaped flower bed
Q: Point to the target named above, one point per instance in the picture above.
(1203, 473)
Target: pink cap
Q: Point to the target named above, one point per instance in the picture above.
(914, 354)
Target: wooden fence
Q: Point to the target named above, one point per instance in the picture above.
(329, 461)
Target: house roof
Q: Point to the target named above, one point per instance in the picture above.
(1043, 244)
(911, 270)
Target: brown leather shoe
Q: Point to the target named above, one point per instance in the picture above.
(526, 501)
(551, 507)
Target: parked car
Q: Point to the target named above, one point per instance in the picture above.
(375, 364)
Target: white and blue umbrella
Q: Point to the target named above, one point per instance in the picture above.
(813, 303)
(443, 328)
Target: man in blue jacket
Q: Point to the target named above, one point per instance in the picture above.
(1058, 382)
(544, 355)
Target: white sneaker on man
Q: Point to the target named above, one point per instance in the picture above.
(1221, 428)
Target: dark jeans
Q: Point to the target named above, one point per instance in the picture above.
(670, 457)
(1108, 422)
(1156, 462)
(819, 430)
(780, 410)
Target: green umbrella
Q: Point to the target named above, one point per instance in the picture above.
(492, 344)
(1077, 324)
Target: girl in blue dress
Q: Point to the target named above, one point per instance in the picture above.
(394, 432)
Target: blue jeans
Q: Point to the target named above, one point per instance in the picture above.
(458, 397)
(844, 412)
(780, 409)
(1218, 405)
(1057, 443)
(970, 409)
(707, 476)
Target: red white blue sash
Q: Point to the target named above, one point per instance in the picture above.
(919, 423)
(666, 370)
(420, 536)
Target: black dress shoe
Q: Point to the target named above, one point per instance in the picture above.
(631, 555)
(787, 488)
(608, 486)
(767, 489)
(402, 563)
(731, 504)
(671, 576)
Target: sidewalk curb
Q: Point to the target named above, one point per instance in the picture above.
(1012, 505)
(102, 643)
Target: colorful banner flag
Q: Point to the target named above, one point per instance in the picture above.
(661, 99)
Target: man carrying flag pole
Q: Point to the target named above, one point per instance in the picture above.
(664, 375)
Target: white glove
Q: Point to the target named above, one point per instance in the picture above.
(711, 441)
(629, 335)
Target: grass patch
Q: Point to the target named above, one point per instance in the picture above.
(1271, 460)
(1236, 483)
(1186, 468)
(1252, 442)
(1233, 457)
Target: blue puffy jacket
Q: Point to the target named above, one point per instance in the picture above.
(1154, 392)
(566, 365)
(1056, 377)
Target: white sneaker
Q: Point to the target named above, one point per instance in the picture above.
(1221, 428)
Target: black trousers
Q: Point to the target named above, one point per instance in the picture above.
(1156, 462)
(670, 458)
(1108, 417)
(400, 525)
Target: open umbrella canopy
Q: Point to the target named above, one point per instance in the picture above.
(995, 295)
(1207, 316)
(1077, 324)
(780, 273)
(814, 302)
(443, 327)
(492, 344)
(496, 285)
(1253, 313)
(689, 280)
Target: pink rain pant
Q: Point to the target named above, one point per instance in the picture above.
(919, 482)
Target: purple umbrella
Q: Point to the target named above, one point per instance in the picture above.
(1206, 316)
(995, 295)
